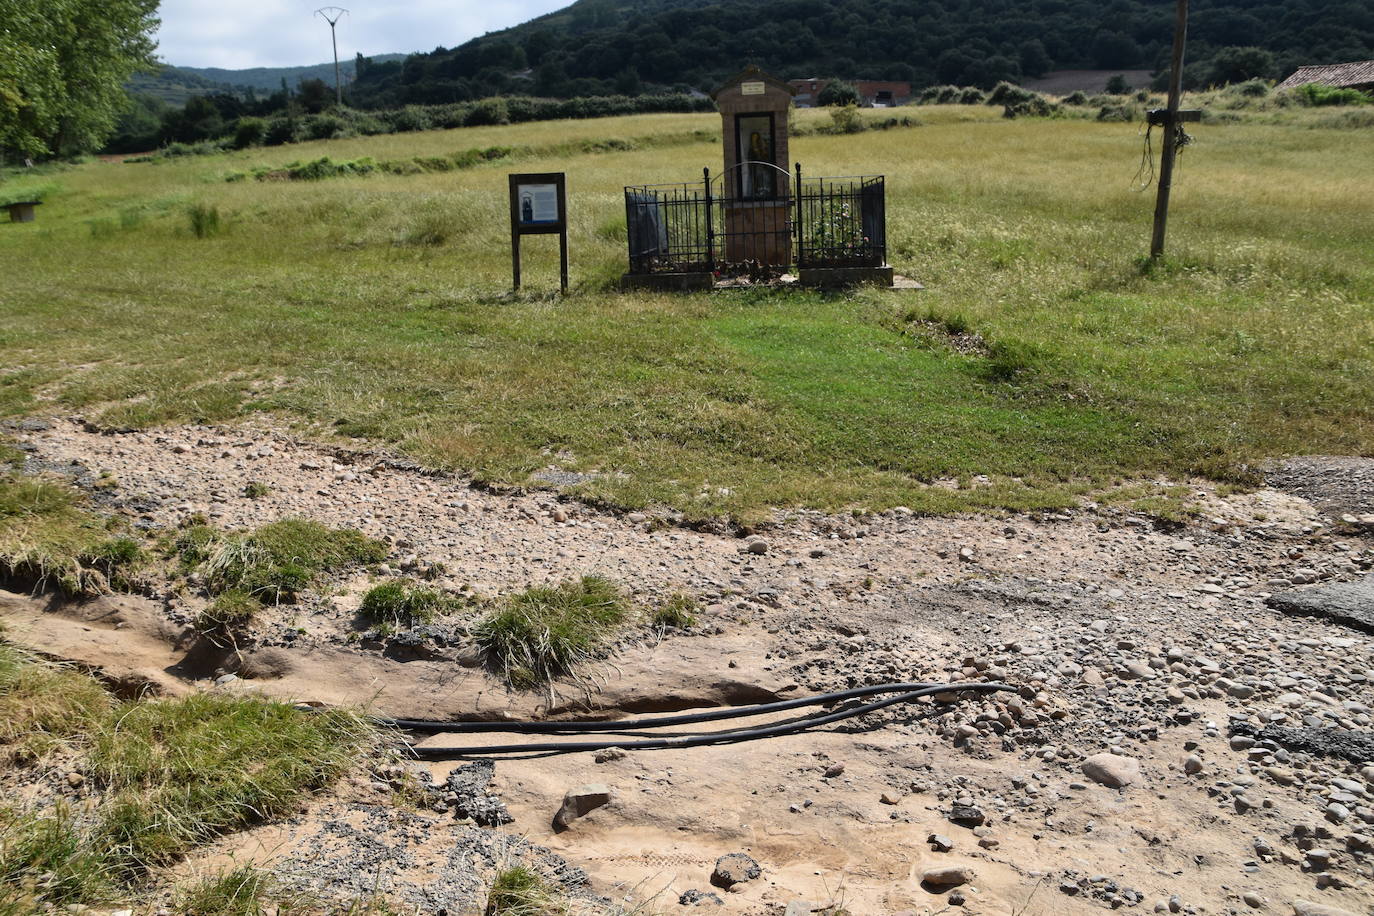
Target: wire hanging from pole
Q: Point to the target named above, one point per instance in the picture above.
(1182, 139)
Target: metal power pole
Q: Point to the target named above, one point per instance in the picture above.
(1171, 129)
(332, 15)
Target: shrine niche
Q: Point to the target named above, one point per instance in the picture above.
(754, 117)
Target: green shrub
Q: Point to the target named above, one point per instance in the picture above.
(1077, 97)
(256, 489)
(489, 112)
(249, 132)
(1124, 112)
(1319, 94)
(400, 603)
(410, 118)
(1253, 89)
(846, 120)
(544, 632)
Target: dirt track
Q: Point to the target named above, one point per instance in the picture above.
(1123, 637)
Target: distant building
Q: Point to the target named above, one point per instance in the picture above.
(1356, 75)
(872, 93)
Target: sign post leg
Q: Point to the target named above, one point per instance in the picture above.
(515, 259)
(563, 259)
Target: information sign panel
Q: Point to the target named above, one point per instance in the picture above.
(539, 206)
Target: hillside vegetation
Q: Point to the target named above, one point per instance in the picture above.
(616, 46)
(1042, 361)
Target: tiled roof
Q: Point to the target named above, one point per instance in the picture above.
(1357, 73)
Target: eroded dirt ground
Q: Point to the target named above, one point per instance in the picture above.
(1150, 643)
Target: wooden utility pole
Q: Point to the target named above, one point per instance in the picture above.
(1171, 128)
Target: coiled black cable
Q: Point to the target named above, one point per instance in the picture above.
(621, 725)
(683, 741)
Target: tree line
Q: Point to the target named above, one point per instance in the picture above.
(600, 47)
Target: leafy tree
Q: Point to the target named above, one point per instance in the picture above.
(316, 95)
(838, 92)
(1117, 85)
(63, 64)
(1236, 65)
(1035, 60)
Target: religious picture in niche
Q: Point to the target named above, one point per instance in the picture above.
(755, 138)
(538, 204)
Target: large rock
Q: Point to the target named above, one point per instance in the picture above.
(1112, 770)
(735, 868)
(1308, 908)
(945, 876)
(579, 801)
(1350, 604)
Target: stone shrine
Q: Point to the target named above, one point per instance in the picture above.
(754, 111)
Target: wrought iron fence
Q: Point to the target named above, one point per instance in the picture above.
(669, 229)
(828, 222)
(841, 222)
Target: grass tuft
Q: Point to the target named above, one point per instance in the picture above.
(542, 633)
(43, 706)
(277, 561)
(521, 891)
(45, 859)
(229, 614)
(256, 489)
(180, 772)
(47, 538)
(679, 611)
(242, 891)
(401, 603)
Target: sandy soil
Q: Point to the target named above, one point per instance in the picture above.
(1121, 636)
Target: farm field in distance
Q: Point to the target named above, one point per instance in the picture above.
(1043, 361)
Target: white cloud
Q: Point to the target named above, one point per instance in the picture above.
(284, 33)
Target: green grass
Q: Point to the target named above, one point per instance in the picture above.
(376, 307)
(168, 775)
(44, 707)
(48, 538)
(520, 891)
(241, 891)
(401, 603)
(679, 611)
(275, 562)
(229, 614)
(542, 633)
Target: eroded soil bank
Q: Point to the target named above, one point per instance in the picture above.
(1150, 643)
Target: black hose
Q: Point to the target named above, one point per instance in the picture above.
(618, 725)
(684, 741)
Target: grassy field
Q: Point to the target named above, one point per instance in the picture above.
(379, 307)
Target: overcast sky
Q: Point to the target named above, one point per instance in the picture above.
(282, 33)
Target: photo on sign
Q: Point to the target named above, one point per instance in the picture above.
(538, 204)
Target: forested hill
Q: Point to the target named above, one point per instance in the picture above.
(604, 46)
